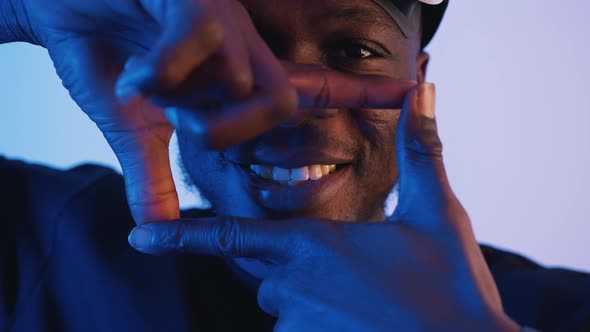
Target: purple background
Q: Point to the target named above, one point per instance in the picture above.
(513, 112)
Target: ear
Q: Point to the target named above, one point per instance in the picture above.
(422, 66)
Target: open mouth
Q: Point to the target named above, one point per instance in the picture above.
(295, 189)
(293, 176)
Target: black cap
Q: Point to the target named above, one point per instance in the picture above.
(432, 15)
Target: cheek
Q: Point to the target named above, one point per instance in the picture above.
(382, 125)
(378, 126)
(205, 168)
(386, 131)
(377, 173)
(217, 180)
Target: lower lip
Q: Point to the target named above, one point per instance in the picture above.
(284, 198)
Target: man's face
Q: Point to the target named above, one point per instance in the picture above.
(352, 36)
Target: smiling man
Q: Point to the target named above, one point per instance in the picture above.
(296, 119)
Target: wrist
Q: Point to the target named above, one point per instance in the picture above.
(14, 23)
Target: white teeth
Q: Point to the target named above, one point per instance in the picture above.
(293, 176)
(300, 174)
(315, 172)
(281, 174)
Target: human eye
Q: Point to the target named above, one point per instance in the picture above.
(354, 50)
(356, 55)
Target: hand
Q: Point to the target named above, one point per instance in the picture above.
(207, 48)
(421, 271)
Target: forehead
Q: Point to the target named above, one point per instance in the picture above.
(365, 12)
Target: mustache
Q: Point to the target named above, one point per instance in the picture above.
(294, 138)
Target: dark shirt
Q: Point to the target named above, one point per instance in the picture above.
(65, 265)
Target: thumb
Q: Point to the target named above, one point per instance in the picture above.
(426, 200)
(137, 131)
(144, 158)
(424, 191)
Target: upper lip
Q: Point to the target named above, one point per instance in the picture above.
(292, 158)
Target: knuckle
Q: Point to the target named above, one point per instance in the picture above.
(226, 238)
(241, 83)
(180, 237)
(204, 29)
(323, 98)
(424, 139)
(211, 31)
(426, 143)
(163, 73)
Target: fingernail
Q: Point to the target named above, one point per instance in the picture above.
(426, 100)
(140, 237)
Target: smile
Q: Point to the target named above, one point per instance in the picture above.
(299, 188)
(292, 176)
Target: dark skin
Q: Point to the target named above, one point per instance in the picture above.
(341, 36)
(422, 271)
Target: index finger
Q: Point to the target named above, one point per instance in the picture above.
(318, 87)
(272, 102)
(218, 236)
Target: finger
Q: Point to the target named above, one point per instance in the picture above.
(272, 86)
(424, 191)
(144, 157)
(138, 133)
(426, 200)
(202, 87)
(273, 101)
(237, 75)
(230, 124)
(220, 236)
(318, 87)
(191, 34)
(227, 76)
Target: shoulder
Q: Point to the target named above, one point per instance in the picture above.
(36, 202)
(547, 298)
(34, 196)
(33, 183)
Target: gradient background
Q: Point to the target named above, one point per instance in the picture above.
(513, 110)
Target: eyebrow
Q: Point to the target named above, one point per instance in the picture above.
(363, 15)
